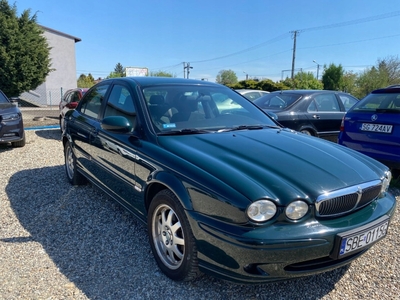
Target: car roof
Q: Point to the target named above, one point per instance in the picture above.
(148, 80)
(305, 92)
(250, 90)
(78, 89)
(390, 89)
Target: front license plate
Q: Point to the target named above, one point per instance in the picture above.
(360, 238)
(376, 127)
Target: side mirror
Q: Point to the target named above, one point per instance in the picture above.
(116, 124)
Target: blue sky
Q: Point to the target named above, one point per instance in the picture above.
(249, 37)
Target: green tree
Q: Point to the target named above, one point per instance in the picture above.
(161, 74)
(119, 71)
(264, 85)
(369, 80)
(85, 81)
(24, 51)
(348, 83)
(389, 69)
(306, 81)
(227, 77)
(332, 77)
(386, 72)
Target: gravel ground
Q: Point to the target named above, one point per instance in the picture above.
(64, 242)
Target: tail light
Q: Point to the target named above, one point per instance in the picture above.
(72, 105)
(342, 125)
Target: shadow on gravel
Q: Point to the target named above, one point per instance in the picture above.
(104, 250)
(50, 134)
(5, 147)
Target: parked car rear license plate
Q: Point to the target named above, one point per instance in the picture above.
(376, 127)
(360, 238)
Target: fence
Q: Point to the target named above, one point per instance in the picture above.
(41, 97)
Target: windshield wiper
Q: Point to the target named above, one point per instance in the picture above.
(185, 131)
(248, 127)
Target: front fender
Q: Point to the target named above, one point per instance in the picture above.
(171, 182)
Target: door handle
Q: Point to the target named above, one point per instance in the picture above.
(316, 117)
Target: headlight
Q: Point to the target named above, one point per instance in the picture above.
(10, 117)
(296, 210)
(261, 210)
(386, 182)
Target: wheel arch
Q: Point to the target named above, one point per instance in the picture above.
(164, 180)
(310, 129)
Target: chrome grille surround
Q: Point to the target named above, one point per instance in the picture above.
(339, 202)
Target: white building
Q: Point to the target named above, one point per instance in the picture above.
(63, 62)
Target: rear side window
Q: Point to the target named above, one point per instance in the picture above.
(327, 102)
(276, 100)
(348, 102)
(91, 104)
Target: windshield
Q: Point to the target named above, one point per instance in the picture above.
(277, 101)
(3, 98)
(377, 102)
(201, 108)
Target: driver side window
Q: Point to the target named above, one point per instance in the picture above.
(120, 103)
(92, 103)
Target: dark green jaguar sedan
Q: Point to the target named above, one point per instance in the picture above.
(224, 189)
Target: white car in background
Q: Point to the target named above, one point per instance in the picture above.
(252, 94)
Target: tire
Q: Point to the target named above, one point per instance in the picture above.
(306, 131)
(20, 143)
(171, 238)
(74, 177)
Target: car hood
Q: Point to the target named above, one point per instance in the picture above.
(5, 107)
(281, 164)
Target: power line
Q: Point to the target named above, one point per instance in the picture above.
(358, 41)
(353, 22)
(245, 50)
(280, 37)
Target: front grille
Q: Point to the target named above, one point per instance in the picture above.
(368, 194)
(346, 200)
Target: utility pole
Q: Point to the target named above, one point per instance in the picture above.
(294, 50)
(187, 68)
(317, 68)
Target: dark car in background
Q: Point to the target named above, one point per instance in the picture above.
(69, 101)
(225, 191)
(372, 126)
(313, 112)
(11, 123)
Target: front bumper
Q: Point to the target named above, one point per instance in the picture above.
(12, 131)
(280, 251)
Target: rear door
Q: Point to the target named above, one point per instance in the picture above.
(83, 125)
(325, 114)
